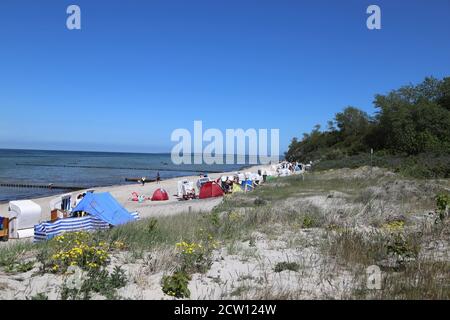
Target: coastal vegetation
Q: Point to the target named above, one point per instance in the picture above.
(291, 238)
(302, 236)
(409, 133)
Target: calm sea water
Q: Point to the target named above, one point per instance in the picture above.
(86, 169)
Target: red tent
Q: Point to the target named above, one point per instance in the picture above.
(209, 190)
(160, 195)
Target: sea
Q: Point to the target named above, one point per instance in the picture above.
(86, 170)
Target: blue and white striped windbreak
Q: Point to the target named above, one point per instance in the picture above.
(48, 230)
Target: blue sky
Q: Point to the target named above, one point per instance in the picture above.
(139, 69)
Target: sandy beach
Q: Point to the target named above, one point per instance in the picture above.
(288, 246)
(147, 208)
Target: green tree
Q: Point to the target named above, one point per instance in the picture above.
(411, 120)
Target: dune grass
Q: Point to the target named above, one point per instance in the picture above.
(272, 207)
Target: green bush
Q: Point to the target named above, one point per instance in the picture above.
(104, 283)
(442, 202)
(402, 247)
(80, 249)
(99, 281)
(10, 260)
(196, 257)
(308, 222)
(176, 285)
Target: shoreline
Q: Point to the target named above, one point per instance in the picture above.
(148, 208)
(60, 191)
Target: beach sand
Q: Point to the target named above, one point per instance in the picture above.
(148, 208)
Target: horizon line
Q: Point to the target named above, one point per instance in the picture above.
(120, 152)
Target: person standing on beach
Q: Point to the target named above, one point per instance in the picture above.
(143, 181)
(158, 177)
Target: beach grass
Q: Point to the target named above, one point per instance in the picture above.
(353, 219)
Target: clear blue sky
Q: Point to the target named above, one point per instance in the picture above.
(139, 69)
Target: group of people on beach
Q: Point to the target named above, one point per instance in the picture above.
(291, 166)
(247, 180)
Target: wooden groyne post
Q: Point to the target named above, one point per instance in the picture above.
(40, 186)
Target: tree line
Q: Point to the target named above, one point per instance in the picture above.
(410, 121)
